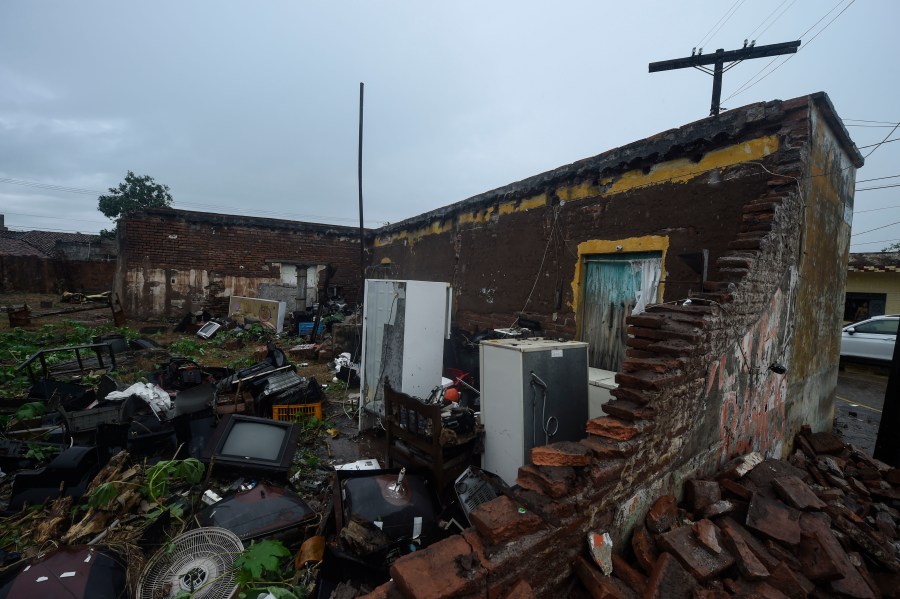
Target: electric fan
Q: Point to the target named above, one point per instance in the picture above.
(200, 563)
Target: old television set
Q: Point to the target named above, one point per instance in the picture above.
(248, 443)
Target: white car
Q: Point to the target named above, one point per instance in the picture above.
(870, 339)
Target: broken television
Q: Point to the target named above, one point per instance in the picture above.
(250, 443)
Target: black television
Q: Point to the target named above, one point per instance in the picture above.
(262, 445)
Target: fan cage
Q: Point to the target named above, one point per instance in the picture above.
(200, 563)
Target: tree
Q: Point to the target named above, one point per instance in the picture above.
(894, 247)
(135, 193)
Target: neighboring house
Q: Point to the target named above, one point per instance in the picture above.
(178, 261)
(873, 285)
(50, 261)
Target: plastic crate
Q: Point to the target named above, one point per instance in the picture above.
(305, 328)
(289, 413)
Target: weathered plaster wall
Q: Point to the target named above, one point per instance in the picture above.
(175, 261)
(696, 387)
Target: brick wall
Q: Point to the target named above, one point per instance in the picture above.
(696, 387)
(34, 274)
(174, 261)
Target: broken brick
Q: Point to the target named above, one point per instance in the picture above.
(520, 590)
(614, 428)
(759, 550)
(797, 493)
(628, 410)
(723, 506)
(770, 470)
(849, 583)
(705, 531)
(825, 442)
(598, 585)
(792, 583)
(555, 482)
(757, 590)
(564, 453)
(736, 489)
(702, 563)
(605, 471)
(774, 519)
(662, 514)
(439, 571)
(669, 580)
(701, 493)
(629, 575)
(607, 448)
(747, 562)
(644, 549)
(500, 520)
(740, 466)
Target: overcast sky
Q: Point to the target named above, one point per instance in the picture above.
(252, 107)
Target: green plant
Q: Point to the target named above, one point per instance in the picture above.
(40, 452)
(260, 569)
(187, 347)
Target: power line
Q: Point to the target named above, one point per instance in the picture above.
(877, 228)
(49, 186)
(883, 140)
(769, 16)
(716, 32)
(81, 220)
(871, 126)
(747, 85)
(776, 19)
(879, 178)
(879, 187)
(889, 123)
(708, 33)
(875, 209)
(874, 242)
(887, 141)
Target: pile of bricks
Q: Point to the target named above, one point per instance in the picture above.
(823, 523)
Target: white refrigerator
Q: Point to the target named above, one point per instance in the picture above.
(533, 392)
(404, 327)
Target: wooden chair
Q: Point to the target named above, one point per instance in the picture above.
(414, 432)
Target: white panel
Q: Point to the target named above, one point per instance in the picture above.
(424, 333)
(502, 410)
(289, 275)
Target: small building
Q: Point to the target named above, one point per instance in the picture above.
(178, 261)
(873, 285)
(51, 262)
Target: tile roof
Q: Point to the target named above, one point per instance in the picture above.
(45, 241)
(16, 247)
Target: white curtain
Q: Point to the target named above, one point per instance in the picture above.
(650, 272)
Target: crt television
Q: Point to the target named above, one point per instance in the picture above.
(258, 444)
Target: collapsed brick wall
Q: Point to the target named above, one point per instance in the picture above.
(696, 387)
(175, 261)
(35, 274)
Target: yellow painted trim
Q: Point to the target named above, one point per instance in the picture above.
(647, 243)
(477, 216)
(674, 171)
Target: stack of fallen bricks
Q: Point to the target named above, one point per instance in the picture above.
(823, 523)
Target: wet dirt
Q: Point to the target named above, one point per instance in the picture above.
(858, 404)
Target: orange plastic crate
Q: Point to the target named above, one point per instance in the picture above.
(289, 413)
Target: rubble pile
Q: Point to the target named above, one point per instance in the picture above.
(823, 523)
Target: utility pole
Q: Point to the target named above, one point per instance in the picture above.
(718, 60)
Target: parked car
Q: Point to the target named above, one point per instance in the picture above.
(870, 339)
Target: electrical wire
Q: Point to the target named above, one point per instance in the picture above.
(776, 19)
(710, 32)
(878, 144)
(888, 123)
(81, 220)
(728, 18)
(875, 209)
(878, 178)
(541, 267)
(874, 242)
(752, 33)
(878, 187)
(883, 140)
(747, 84)
(876, 229)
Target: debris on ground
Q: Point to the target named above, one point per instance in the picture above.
(823, 523)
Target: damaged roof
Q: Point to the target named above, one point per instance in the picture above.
(237, 220)
(674, 143)
(874, 262)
